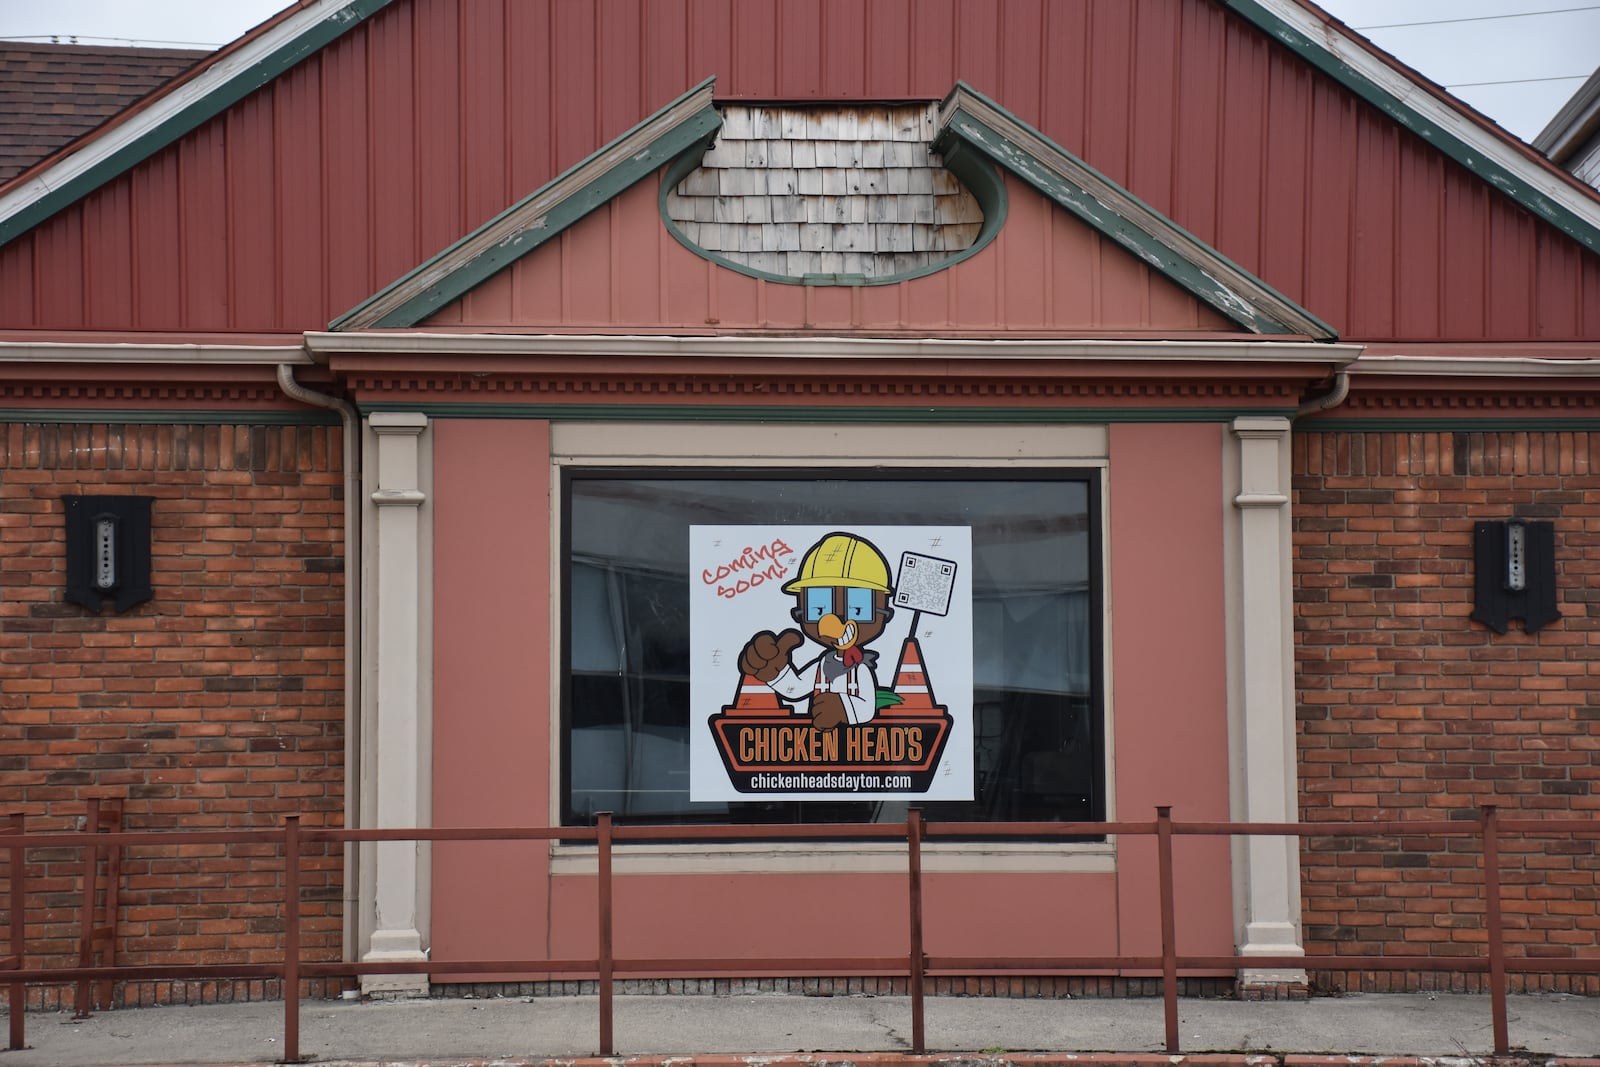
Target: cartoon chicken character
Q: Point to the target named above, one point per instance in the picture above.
(841, 603)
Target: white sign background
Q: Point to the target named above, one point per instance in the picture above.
(720, 625)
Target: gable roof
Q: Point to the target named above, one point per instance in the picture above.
(968, 123)
(1439, 119)
(1522, 177)
(231, 75)
(52, 94)
(1571, 139)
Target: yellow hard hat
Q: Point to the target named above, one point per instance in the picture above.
(842, 559)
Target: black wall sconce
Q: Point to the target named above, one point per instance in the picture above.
(108, 550)
(1515, 574)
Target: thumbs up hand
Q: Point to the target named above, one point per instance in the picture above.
(766, 655)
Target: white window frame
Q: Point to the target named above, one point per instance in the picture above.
(680, 446)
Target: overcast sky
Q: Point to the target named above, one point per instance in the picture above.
(1547, 40)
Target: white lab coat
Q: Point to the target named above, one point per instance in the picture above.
(857, 686)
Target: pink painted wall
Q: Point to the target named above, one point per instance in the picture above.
(817, 915)
(491, 640)
(492, 730)
(1169, 674)
(1047, 272)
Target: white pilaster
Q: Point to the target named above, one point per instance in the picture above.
(395, 748)
(1266, 743)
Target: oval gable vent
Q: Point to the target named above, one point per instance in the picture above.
(831, 195)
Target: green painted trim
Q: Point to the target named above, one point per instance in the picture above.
(809, 414)
(1200, 269)
(1525, 195)
(452, 282)
(169, 418)
(1452, 424)
(970, 170)
(241, 84)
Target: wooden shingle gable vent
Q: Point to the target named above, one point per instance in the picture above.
(832, 194)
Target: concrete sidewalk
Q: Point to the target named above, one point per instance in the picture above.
(747, 1027)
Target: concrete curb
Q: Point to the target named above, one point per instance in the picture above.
(1039, 1059)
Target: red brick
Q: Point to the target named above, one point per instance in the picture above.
(120, 703)
(1485, 717)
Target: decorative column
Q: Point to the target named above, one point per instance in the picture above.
(1267, 770)
(394, 746)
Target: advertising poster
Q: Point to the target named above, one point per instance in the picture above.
(830, 664)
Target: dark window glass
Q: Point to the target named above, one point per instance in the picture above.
(1036, 634)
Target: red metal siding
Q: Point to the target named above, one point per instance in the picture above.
(435, 114)
(154, 299)
(619, 267)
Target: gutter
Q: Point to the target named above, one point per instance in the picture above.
(351, 423)
(1337, 393)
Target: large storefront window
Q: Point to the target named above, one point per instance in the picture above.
(1035, 602)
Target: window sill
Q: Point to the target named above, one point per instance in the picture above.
(765, 857)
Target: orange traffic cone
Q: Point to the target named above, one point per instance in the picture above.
(911, 683)
(755, 697)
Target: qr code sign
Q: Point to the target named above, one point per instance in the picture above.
(925, 583)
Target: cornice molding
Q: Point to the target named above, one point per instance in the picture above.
(168, 416)
(812, 390)
(743, 347)
(166, 375)
(1487, 400)
(141, 393)
(1489, 385)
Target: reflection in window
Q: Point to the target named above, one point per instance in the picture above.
(1036, 617)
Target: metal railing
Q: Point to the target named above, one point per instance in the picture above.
(291, 839)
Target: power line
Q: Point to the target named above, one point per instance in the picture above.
(1520, 81)
(79, 38)
(1480, 18)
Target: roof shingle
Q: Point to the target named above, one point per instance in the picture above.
(52, 94)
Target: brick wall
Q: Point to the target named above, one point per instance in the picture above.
(217, 704)
(1409, 710)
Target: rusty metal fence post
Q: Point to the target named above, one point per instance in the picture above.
(17, 992)
(16, 976)
(605, 963)
(919, 1039)
(1169, 927)
(1496, 930)
(291, 938)
(91, 883)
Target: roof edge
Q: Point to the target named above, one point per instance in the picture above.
(1573, 124)
(1489, 152)
(1159, 242)
(130, 353)
(1299, 351)
(675, 129)
(111, 151)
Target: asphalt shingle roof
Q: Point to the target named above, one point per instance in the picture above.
(52, 94)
